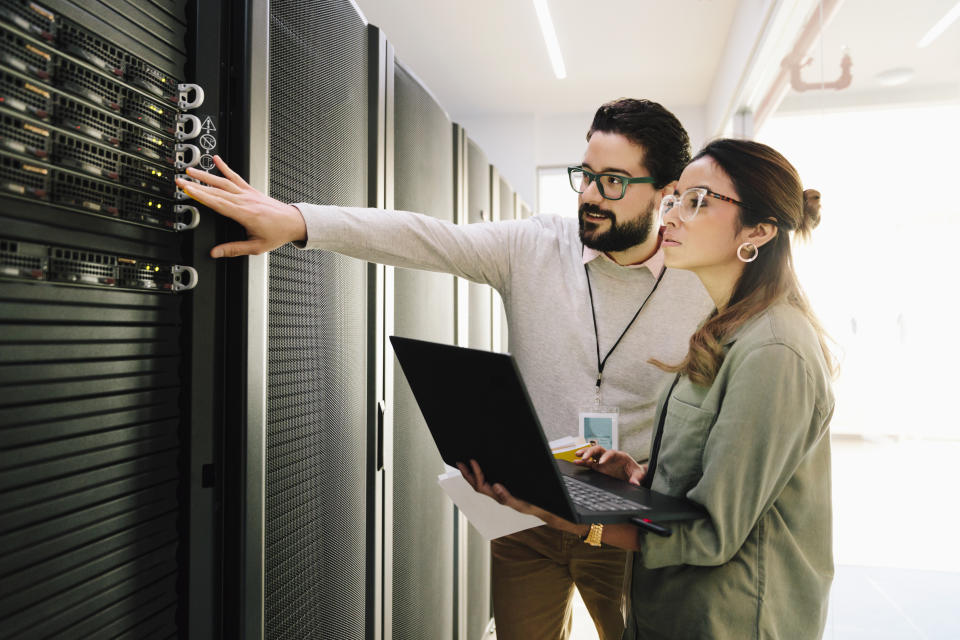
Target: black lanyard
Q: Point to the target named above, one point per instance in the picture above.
(602, 363)
(655, 451)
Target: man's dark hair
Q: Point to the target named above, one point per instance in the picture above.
(665, 143)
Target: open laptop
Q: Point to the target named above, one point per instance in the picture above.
(477, 407)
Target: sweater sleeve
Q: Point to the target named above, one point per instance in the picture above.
(479, 252)
(768, 421)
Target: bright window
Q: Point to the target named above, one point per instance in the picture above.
(881, 272)
(554, 194)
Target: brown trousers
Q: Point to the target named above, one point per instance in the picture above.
(533, 574)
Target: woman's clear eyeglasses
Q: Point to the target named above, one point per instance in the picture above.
(610, 186)
(687, 204)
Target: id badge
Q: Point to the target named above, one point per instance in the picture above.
(601, 425)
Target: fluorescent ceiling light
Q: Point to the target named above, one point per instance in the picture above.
(550, 38)
(895, 77)
(940, 27)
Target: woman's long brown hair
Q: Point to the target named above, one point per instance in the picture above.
(770, 190)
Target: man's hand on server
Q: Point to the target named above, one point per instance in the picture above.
(269, 223)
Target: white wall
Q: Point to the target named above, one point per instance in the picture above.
(510, 144)
(519, 143)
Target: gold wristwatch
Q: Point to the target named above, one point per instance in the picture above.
(593, 538)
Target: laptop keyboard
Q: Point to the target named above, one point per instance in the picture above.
(590, 498)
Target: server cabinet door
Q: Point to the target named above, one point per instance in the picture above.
(423, 518)
(480, 325)
(314, 571)
(505, 211)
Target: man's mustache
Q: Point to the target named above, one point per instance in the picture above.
(594, 210)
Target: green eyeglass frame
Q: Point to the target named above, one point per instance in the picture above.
(607, 183)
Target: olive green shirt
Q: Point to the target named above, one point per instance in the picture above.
(754, 449)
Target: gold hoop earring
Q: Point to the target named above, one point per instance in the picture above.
(750, 247)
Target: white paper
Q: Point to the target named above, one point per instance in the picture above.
(566, 442)
(488, 516)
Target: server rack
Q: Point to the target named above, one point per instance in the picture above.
(167, 420)
(303, 512)
(479, 208)
(107, 461)
(522, 209)
(404, 548)
(502, 199)
(424, 307)
(380, 387)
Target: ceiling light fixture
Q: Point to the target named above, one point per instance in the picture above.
(550, 38)
(895, 77)
(942, 25)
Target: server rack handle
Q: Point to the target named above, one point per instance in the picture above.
(185, 89)
(178, 284)
(194, 217)
(194, 131)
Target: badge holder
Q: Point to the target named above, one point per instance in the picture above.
(600, 424)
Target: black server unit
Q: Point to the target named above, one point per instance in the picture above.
(104, 436)
(422, 583)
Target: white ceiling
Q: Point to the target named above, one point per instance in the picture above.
(488, 57)
(882, 35)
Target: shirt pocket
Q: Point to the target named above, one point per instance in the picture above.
(680, 461)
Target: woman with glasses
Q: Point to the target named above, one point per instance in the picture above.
(743, 429)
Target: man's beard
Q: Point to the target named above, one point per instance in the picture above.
(619, 237)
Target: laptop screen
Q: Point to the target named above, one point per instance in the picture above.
(476, 407)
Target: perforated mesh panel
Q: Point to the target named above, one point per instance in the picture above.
(422, 514)
(316, 420)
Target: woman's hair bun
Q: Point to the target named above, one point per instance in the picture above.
(811, 212)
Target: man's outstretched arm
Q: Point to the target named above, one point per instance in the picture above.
(478, 252)
(269, 223)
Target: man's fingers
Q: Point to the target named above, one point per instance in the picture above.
(229, 173)
(208, 196)
(503, 496)
(477, 472)
(467, 475)
(501, 490)
(212, 180)
(240, 248)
